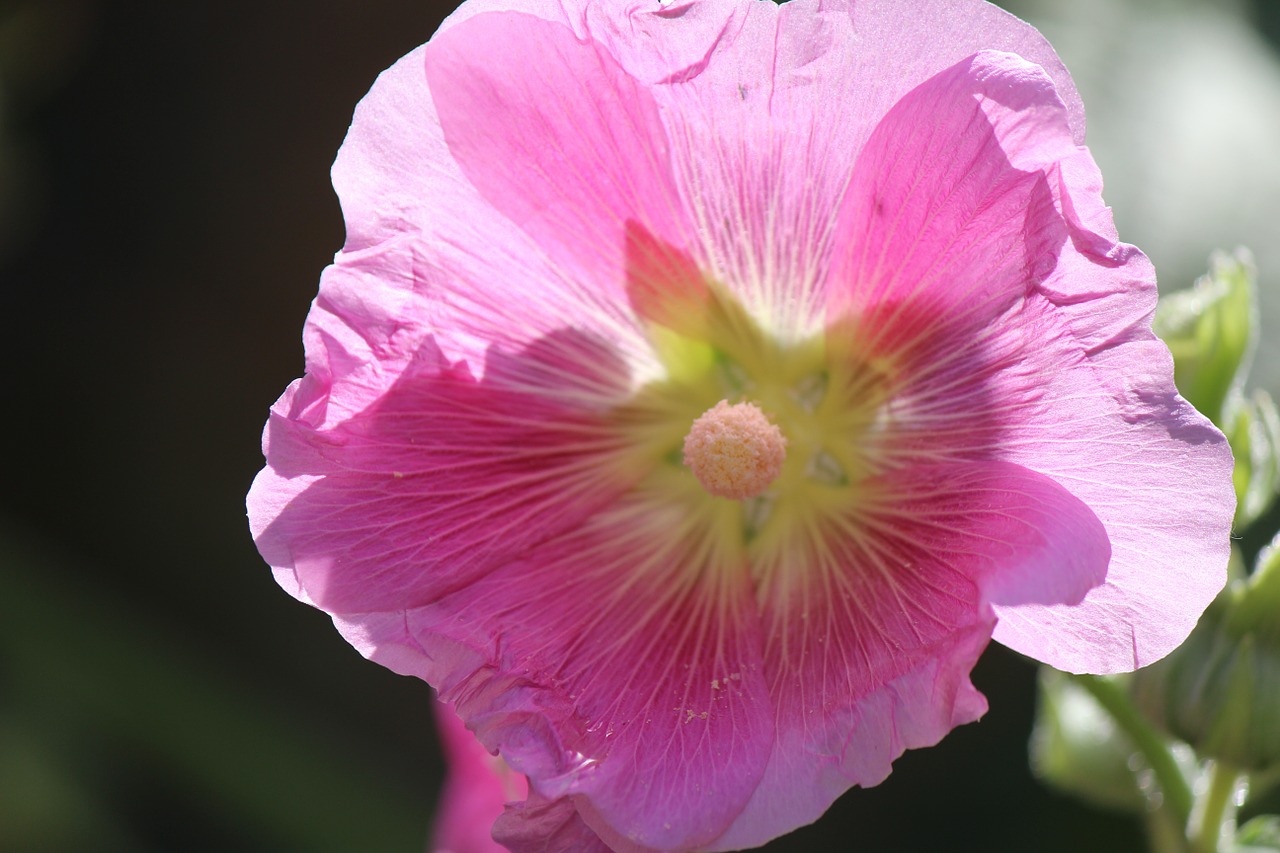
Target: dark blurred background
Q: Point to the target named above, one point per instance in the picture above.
(165, 212)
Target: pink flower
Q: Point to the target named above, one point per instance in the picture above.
(702, 386)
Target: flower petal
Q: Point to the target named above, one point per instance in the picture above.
(869, 654)
(540, 825)
(835, 51)
(449, 259)
(765, 107)
(948, 211)
(915, 710)
(1109, 426)
(558, 137)
(476, 787)
(919, 38)
(618, 668)
(440, 478)
(778, 102)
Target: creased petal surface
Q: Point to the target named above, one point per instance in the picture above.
(540, 825)
(476, 787)
(938, 215)
(1110, 427)
(590, 153)
(438, 480)
(620, 669)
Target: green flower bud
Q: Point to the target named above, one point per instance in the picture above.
(1212, 331)
(1220, 691)
(1253, 428)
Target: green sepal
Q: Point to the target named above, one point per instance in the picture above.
(1256, 606)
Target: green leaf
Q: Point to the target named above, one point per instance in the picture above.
(1076, 747)
(1212, 331)
(1260, 835)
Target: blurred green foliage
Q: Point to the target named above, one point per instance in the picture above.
(1260, 835)
(98, 693)
(1077, 748)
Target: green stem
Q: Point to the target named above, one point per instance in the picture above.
(1163, 834)
(1217, 806)
(1173, 785)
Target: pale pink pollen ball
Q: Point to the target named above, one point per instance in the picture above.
(735, 451)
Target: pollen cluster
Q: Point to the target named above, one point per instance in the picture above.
(735, 451)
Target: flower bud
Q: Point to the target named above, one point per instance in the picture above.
(1220, 691)
(1212, 331)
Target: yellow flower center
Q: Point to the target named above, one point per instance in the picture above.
(735, 451)
(711, 467)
